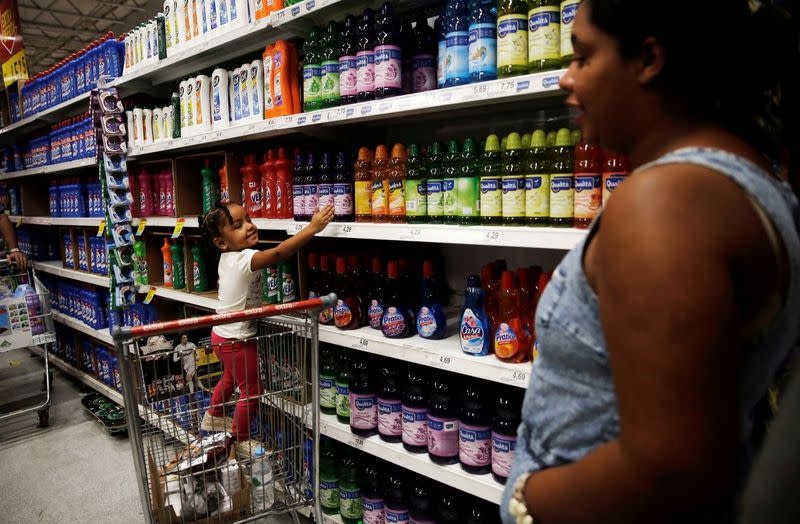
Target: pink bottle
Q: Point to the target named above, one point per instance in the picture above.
(169, 205)
(146, 207)
(165, 193)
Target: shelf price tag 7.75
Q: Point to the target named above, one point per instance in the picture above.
(502, 88)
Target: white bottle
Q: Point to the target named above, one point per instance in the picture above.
(176, 42)
(236, 101)
(220, 100)
(153, 31)
(157, 125)
(147, 126)
(202, 17)
(267, 81)
(168, 121)
(138, 128)
(196, 21)
(168, 26)
(257, 90)
(129, 126)
(212, 16)
(202, 103)
(184, 106)
(244, 90)
(262, 490)
(180, 22)
(237, 11)
(190, 121)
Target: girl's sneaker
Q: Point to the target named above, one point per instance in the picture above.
(216, 423)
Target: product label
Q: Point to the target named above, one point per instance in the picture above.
(380, 200)
(456, 61)
(423, 73)
(363, 411)
(562, 196)
(298, 201)
(426, 323)
(312, 76)
(365, 71)
(588, 195)
(472, 333)
(342, 199)
(363, 196)
(329, 493)
(503, 447)
(342, 400)
(442, 436)
(610, 183)
(512, 40)
(390, 417)
(537, 196)
(387, 67)
(278, 100)
(375, 314)
(325, 195)
(435, 200)
(373, 511)
(326, 315)
(237, 100)
(468, 200)
(397, 198)
(491, 197)
(350, 503)
(415, 426)
(311, 198)
(449, 197)
(330, 80)
(483, 49)
(327, 392)
(348, 75)
(416, 198)
(544, 37)
(568, 10)
(506, 342)
(268, 101)
(393, 323)
(475, 445)
(397, 516)
(342, 316)
(513, 196)
(442, 53)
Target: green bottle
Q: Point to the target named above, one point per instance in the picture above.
(526, 141)
(503, 143)
(351, 503)
(551, 139)
(175, 101)
(469, 186)
(343, 388)
(209, 186)
(270, 285)
(162, 36)
(512, 38)
(513, 182)
(491, 183)
(537, 181)
(199, 273)
(435, 179)
(312, 72)
(575, 137)
(416, 187)
(178, 266)
(452, 165)
(288, 285)
(140, 262)
(544, 35)
(328, 477)
(329, 89)
(327, 381)
(568, 9)
(562, 181)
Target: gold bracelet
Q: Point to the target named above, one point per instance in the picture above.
(516, 504)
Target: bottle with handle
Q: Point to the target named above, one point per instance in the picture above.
(178, 266)
(166, 255)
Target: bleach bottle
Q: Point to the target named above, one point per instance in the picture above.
(475, 332)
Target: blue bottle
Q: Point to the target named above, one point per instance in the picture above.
(398, 318)
(431, 321)
(456, 30)
(441, 52)
(482, 40)
(475, 332)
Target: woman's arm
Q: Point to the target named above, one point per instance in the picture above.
(270, 257)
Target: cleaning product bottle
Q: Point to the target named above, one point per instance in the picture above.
(537, 181)
(365, 57)
(363, 185)
(483, 40)
(343, 189)
(330, 90)
(343, 388)
(568, 10)
(199, 273)
(347, 312)
(468, 186)
(235, 94)
(175, 113)
(146, 206)
(441, 50)
(222, 180)
(328, 476)
(442, 422)
(512, 341)
(268, 67)
(475, 430)
(372, 492)
(544, 35)
(435, 183)
(423, 59)
(271, 286)
(244, 90)
(311, 187)
(288, 287)
(406, 40)
(476, 331)
(363, 398)
(588, 183)
(390, 416)
(190, 114)
(616, 169)
(491, 195)
(380, 185)
(452, 169)
(165, 194)
(166, 255)
(456, 29)
(140, 259)
(431, 320)
(350, 504)
(562, 181)
(397, 185)
(415, 410)
(513, 182)
(376, 294)
(256, 90)
(269, 181)
(504, 433)
(312, 71)
(348, 61)
(388, 55)
(202, 109)
(416, 187)
(178, 266)
(327, 380)
(325, 186)
(512, 38)
(251, 183)
(298, 189)
(398, 317)
(284, 199)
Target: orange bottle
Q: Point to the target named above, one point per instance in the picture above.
(512, 340)
(397, 185)
(588, 183)
(284, 79)
(166, 253)
(544, 278)
(269, 80)
(380, 185)
(294, 78)
(224, 190)
(273, 5)
(363, 185)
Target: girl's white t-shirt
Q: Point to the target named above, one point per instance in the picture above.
(239, 289)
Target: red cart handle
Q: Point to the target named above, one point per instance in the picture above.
(159, 328)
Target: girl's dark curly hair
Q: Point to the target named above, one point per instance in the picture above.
(211, 224)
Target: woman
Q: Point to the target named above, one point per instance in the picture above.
(659, 333)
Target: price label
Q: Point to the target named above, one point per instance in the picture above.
(19, 221)
(336, 114)
(140, 229)
(217, 135)
(492, 236)
(271, 124)
(444, 360)
(316, 117)
(150, 294)
(301, 120)
(384, 107)
(480, 89)
(346, 230)
(178, 227)
(309, 5)
(251, 128)
(101, 228)
(362, 343)
(504, 88)
(520, 377)
(357, 442)
(296, 228)
(295, 11)
(279, 17)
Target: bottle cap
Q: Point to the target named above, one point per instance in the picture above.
(341, 265)
(452, 148)
(434, 150)
(563, 137)
(324, 264)
(507, 281)
(427, 269)
(575, 137)
(538, 139)
(514, 141)
(551, 139)
(523, 277)
(399, 151)
(377, 264)
(526, 141)
(313, 259)
(391, 270)
(492, 144)
(352, 261)
(381, 153)
(364, 153)
(474, 281)
(403, 265)
(469, 147)
(413, 150)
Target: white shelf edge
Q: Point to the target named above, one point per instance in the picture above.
(483, 486)
(54, 267)
(56, 221)
(181, 296)
(100, 334)
(51, 168)
(39, 116)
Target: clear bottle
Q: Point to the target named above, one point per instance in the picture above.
(415, 411)
(568, 11)
(363, 398)
(475, 430)
(298, 189)
(312, 71)
(482, 40)
(363, 185)
(441, 53)
(491, 196)
(365, 57)
(512, 38)
(380, 185)
(421, 503)
(348, 61)
(456, 30)
(326, 286)
(468, 185)
(544, 35)
(416, 187)
(537, 181)
(262, 489)
(443, 413)
(390, 410)
(447, 506)
(452, 171)
(513, 182)
(562, 181)
(512, 341)
(343, 388)
(330, 48)
(435, 182)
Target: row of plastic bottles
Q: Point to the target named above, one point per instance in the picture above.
(279, 284)
(154, 192)
(95, 359)
(174, 267)
(82, 302)
(9, 198)
(69, 140)
(73, 198)
(38, 246)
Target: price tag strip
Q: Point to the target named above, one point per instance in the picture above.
(178, 227)
(140, 229)
(150, 294)
(101, 228)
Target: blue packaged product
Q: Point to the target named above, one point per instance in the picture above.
(475, 329)
(456, 30)
(483, 40)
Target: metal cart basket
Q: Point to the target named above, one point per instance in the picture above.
(192, 466)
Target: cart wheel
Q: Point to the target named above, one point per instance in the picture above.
(44, 418)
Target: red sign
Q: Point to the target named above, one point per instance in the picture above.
(10, 30)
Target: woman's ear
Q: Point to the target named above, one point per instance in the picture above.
(651, 60)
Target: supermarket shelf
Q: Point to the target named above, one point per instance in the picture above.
(63, 167)
(54, 267)
(483, 486)
(167, 222)
(205, 300)
(56, 221)
(100, 334)
(531, 237)
(72, 107)
(520, 88)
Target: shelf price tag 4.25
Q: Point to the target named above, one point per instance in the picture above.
(361, 343)
(178, 227)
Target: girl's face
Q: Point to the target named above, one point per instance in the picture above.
(238, 235)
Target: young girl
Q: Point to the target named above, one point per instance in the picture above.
(229, 229)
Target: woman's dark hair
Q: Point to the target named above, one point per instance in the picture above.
(211, 225)
(725, 62)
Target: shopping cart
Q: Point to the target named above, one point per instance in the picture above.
(26, 321)
(190, 474)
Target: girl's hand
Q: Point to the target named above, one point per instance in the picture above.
(321, 219)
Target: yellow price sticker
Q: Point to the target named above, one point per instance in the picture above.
(101, 228)
(19, 221)
(150, 294)
(140, 229)
(15, 68)
(178, 227)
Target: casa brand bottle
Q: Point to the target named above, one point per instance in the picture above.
(562, 182)
(442, 422)
(475, 431)
(475, 332)
(537, 181)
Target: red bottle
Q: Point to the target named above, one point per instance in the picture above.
(251, 187)
(224, 189)
(616, 169)
(512, 340)
(269, 180)
(284, 206)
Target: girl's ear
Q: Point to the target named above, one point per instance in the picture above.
(220, 243)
